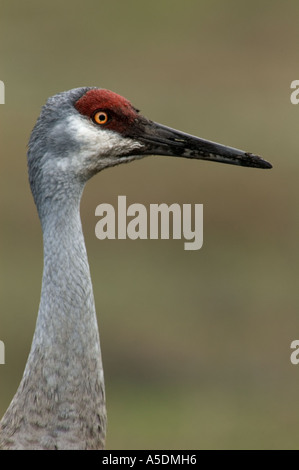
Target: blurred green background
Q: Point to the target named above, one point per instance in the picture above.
(196, 344)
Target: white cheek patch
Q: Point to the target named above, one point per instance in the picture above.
(93, 148)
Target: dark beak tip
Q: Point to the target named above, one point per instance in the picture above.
(259, 162)
(267, 165)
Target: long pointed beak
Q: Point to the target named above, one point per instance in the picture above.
(163, 140)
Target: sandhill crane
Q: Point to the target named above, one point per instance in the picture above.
(60, 403)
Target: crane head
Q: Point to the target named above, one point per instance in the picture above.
(81, 131)
(121, 132)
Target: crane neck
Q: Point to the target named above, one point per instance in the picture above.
(60, 403)
(67, 296)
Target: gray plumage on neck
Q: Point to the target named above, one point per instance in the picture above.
(62, 390)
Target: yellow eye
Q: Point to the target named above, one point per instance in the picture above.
(100, 117)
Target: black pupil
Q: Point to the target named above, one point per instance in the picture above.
(102, 117)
